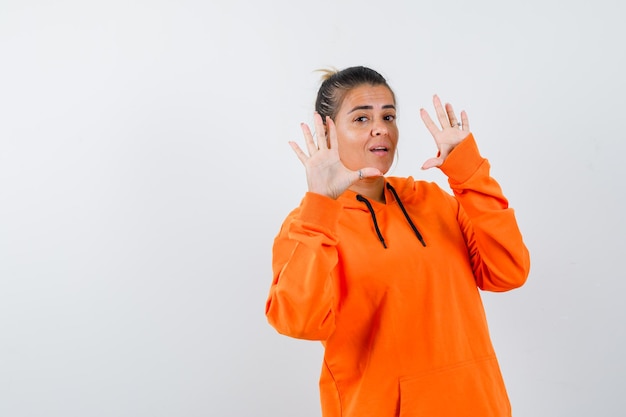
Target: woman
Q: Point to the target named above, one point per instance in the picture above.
(385, 271)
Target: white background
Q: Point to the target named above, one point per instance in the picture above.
(144, 172)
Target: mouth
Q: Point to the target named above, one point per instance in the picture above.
(379, 150)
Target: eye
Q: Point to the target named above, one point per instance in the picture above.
(390, 117)
(361, 119)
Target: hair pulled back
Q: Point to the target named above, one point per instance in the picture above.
(336, 84)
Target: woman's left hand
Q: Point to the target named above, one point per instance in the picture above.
(452, 131)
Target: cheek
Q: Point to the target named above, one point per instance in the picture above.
(345, 148)
(350, 152)
(395, 135)
(345, 140)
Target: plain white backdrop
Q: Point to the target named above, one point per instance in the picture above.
(145, 170)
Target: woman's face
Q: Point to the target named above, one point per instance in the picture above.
(367, 133)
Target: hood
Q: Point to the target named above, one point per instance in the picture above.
(353, 200)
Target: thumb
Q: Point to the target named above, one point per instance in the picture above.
(367, 173)
(432, 163)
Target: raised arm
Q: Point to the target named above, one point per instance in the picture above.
(302, 296)
(500, 259)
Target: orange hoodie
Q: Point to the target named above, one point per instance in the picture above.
(402, 321)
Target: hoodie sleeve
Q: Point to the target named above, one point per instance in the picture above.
(301, 299)
(499, 257)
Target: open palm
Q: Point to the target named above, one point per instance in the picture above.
(325, 172)
(449, 135)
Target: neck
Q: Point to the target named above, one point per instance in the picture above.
(371, 188)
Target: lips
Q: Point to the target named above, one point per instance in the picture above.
(379, 149)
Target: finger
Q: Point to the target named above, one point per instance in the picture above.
(308, 138)
(368, 172)
(432, 163)
(441, 113)
(451, 116)
(299, 153)
(430, 125)
(320, 132)
(465, 121)
(332, 133)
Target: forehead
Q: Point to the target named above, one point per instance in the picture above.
(367, 95)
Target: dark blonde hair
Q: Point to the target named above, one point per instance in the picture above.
(336, 84)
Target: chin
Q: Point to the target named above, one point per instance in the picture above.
(385, 169)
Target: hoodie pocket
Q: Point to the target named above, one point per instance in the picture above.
(468, 389)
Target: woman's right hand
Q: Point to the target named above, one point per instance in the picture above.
(325, 173)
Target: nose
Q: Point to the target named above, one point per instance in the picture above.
(379, 128)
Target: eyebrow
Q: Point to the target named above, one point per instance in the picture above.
(386, 106)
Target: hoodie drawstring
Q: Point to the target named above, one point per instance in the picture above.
(371, 209)
(362, 199)
(408, 218)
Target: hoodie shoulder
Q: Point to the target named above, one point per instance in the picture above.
(408, 185)
(420, 191)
